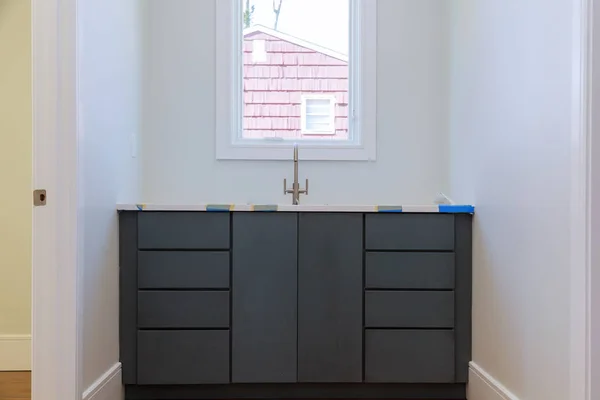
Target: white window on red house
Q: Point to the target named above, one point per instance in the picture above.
(318, 115)
(258, 51)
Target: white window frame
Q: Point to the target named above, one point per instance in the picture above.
(362, 94)
(303, 116)
(259, 54)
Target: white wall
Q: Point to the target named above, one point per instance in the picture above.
(178, 140)
(510, 138)
(110, 56)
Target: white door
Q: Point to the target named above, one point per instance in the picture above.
(55, 328)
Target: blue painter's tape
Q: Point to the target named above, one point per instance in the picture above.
(389, 209)
(218, 207)
(266, 207)
(456, 208)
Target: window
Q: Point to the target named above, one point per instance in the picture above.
(318, 115)
(259, 54)
(296, 72)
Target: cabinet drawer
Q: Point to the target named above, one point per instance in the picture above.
(409, 231)
(187, 309)
(183, 269)
(409, 270)
(397, 309)
(409, 356)
(183, 357)
(183, 230)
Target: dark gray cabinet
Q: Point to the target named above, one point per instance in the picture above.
(183, 309)
(409, 270)
(188, 357)
(330, 300)
(409, 232)
(264, 308)
(230, 305)
(411, 355)
(409, 309)
(183, 270)
(183, 230)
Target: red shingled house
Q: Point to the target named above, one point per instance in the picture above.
(293, 88)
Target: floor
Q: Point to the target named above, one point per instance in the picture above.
(15, 385)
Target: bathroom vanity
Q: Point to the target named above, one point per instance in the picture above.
(291, 302)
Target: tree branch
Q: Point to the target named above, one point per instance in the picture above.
(276, 10)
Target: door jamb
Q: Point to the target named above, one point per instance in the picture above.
(56, 301)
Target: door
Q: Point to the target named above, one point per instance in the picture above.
(330, 297)
(264, 290)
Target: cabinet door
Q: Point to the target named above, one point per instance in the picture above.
(409, 232)
(188, 357)
(409, 356)
(330, 297)
(188, 230)
(264, 290)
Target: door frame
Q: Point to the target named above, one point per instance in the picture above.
(57, 247)
(583, 313)
(56, 250)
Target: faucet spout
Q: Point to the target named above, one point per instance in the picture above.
(295, 191)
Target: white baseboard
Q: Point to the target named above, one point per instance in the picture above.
(15, 352)
(483, 386)
(107, 387)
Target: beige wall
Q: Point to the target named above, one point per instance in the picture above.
(15, 182)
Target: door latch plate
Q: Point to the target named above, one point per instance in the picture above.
(39, 197)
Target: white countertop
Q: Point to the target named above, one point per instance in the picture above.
(431, 208)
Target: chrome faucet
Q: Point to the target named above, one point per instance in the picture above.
(295, 190)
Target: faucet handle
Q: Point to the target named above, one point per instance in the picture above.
(305, 190)
(285, 189)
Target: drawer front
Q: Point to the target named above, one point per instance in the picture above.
(409, 270)
(409, 356)
(409, 231)
(187, 309)
(183, 269)
(183, 357)
(183, 230)
(397, 309)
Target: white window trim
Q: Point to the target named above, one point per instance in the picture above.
(332, 102)
(362, 94)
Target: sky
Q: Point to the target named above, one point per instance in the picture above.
(323, 22)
